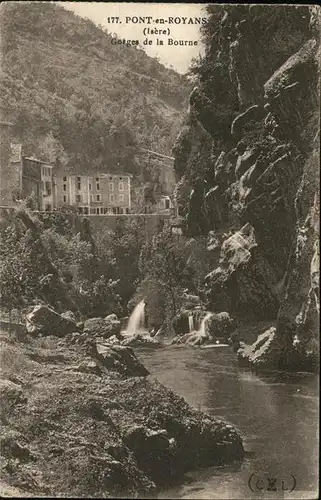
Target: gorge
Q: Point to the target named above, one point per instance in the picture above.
(177, 359)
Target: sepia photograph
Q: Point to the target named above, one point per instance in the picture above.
(159, 250)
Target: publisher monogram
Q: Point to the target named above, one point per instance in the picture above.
(269, 482)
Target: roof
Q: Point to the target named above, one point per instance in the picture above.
(16, 153)
(31, 158)
(112, 175)
(96, 174)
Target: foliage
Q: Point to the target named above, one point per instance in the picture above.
(119, 249)
(37, 265)
(163, 262)
(79, 101)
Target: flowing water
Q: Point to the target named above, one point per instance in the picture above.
(276, 414)
(191, 323)
(137, 319)
(203, 324)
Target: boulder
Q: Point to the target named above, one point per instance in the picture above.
(152, 449)
(243, 281)
(11, 393)
(192, 339)
(88, 366)
(219, 325)
(69, 315)
(103, 327)
(12, 448)
(121, 359)
(44, 320)
(95, 326)
(258, 353)
(114, 340)
(113, 325)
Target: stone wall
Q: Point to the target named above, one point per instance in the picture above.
(152, 223)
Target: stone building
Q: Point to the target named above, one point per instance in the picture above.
(162, 205)
(99, 194)
(37, 183)
(23, 177)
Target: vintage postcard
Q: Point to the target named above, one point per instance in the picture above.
(159, 250)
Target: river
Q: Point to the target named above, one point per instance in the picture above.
(276, 415)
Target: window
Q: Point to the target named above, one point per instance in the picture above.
(167, 203)
(80, 210)
(127, 210)
(78, 179)
(110, 178)
(120, 178)
(111, 197)
(121, 186)
(91, 198)
(89, 187)
(98, 197)
(121, 211)
(101, 210)
(111, 186)
(97, 210)
(65, 199)
(78, 198)
(97, 186)
(48, 188)
(78, 186)
(121, 197)
(97, 179)
(64, 178)
(65, 187)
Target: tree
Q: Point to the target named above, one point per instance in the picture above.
(164, 261)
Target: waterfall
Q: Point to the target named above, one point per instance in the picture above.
(203, 324)
(191, 323)
(136, 319)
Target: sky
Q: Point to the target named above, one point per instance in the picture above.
(179, 57)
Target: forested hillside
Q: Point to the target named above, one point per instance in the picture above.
(76, 99)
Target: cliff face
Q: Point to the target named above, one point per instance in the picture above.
(248, 159)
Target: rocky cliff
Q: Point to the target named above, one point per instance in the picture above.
(248, 162)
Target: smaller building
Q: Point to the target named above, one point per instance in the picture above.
(32, 179)
(37, 183)
(164, 205)
(47, 187)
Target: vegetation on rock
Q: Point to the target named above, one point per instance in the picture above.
(247, 157)
(79, 423)
(79, 101)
